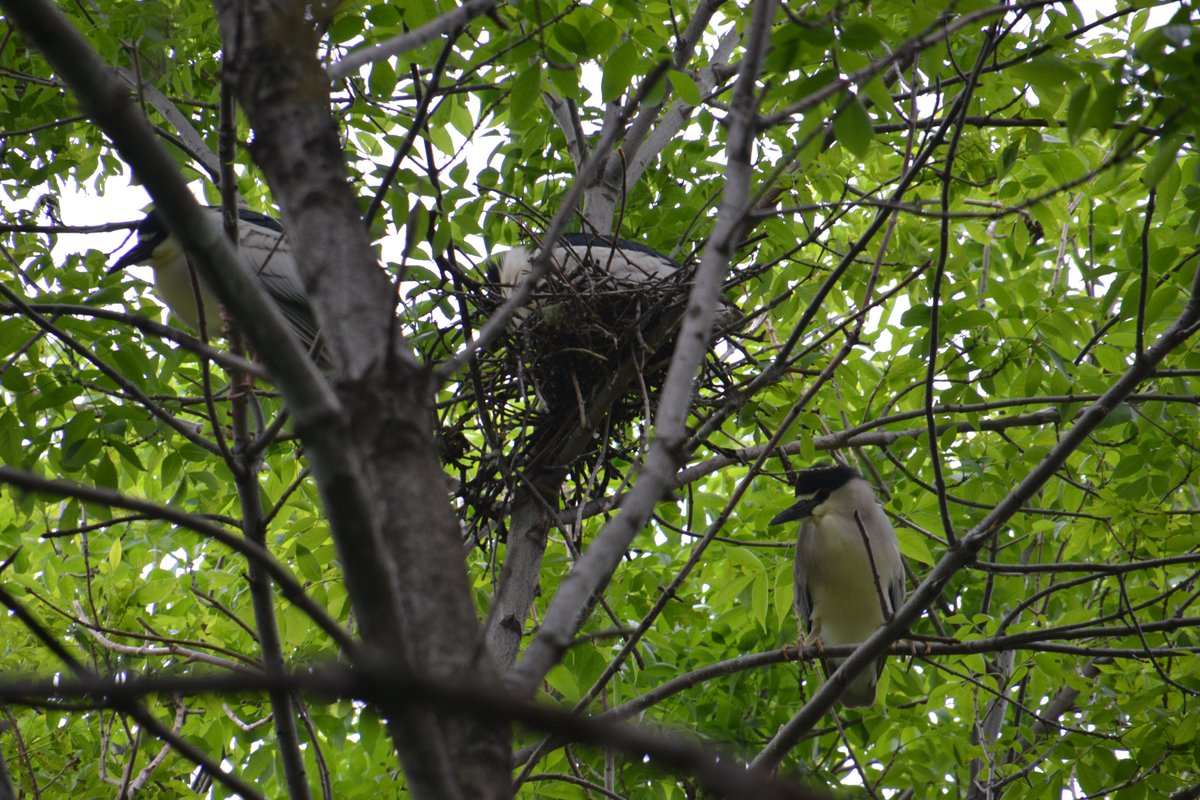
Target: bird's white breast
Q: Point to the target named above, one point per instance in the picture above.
(173, 284)
(843, 591)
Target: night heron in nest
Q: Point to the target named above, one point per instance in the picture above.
(593, 264)
(602, 305)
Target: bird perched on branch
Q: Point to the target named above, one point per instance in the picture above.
(849, 577)
(265, 255)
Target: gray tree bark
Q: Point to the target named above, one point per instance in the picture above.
(385, 400)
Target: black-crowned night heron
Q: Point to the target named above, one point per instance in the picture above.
(593, 263)
(265, 255)
(849, 577)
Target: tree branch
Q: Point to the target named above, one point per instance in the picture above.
(440, 26)
(576, 595)
(391, 688)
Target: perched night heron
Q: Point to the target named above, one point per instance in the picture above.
(849, 577)
(265, 255)
(593, 263)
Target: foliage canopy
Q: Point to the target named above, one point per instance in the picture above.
(963, 240)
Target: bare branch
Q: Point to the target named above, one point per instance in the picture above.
(652, 127)
(389, 687)
(450, 21)
(192, 142)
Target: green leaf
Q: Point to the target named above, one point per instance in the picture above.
(80, 444)
(760, 600)
(1050, 78)
(916, 316)
(114, 554)
(1103, 112)
(1075, 111)
(105, 473)
(1160, 300)
(684, 87)
(881, 96)
(914, 546)
(852, 127)
(563, 681)
(602, 36)
(1163, 159)
(310, 568)
(526, 92)
(861, 35)
(1121, 414)
(382, 81)
(619, 70)
(567, 83)
(571, 38)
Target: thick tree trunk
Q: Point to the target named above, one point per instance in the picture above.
(385, 396)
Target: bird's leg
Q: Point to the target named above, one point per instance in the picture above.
(243, 385)
(813, 639)
(916, 648)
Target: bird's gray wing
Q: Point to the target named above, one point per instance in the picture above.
(895, 592)
(619, 259)
(269, 257)
(802, 602)
(640, 265)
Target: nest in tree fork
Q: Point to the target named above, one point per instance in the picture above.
(568, 388)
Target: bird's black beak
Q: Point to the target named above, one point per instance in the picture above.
(800, 509)
(136, 255)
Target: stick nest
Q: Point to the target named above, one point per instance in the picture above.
(563, 396)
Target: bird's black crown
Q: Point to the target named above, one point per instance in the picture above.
(823, 479)
(152, 226)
